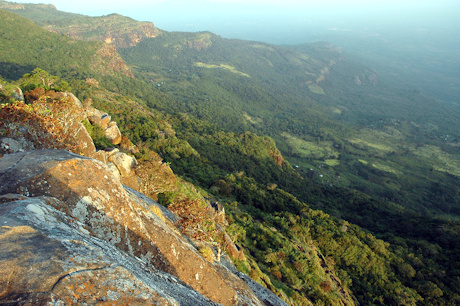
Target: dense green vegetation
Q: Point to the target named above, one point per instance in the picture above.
(372, 136)
(241, 170)
(367, 190)
(21, 52)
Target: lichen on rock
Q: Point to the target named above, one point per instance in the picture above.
(97, 229)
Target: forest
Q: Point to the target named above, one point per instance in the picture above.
(338, 187)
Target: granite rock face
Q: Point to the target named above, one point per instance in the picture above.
(111, 130)
(47, 257)
(72, 233)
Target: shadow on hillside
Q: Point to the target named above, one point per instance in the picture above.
(13, 71)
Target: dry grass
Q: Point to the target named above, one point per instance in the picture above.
(207, 253)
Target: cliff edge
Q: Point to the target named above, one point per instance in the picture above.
(72, 233)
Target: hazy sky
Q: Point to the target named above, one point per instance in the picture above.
(267, 20)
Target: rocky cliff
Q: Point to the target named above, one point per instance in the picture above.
(72, 233)
(114, 29)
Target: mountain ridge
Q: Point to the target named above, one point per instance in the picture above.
(38, 48)
(390, 176)
(114, 29)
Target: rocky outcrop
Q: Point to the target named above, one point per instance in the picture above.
(122, 39)
(46, 259)
(76, 131)
(80, 135)
(73, 234)
(114, 29)
(121, 164)
(110, 62)
(125, 166)
(111, 130)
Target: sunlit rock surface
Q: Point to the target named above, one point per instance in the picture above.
(72, 233)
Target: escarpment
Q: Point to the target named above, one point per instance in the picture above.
(62, 187)
(73, 233)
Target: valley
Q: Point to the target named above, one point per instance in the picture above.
(321, 162)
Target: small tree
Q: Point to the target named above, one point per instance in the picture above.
(196, 222)
(156, 176)
(39, 78)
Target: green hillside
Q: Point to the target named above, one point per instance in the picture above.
(323, 111)
(22, 51)
(38, 13)
(325, 171)
(114, 29)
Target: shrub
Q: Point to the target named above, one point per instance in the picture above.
(195, 220)
(156, 177)
(40, 124)
(99, 139)
(207, 253)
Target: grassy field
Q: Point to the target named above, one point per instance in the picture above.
(309, 149)
(440, 160)
(222, 66)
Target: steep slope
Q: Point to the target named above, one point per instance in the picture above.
(108, 229)
(37, 47)
(93, 226)
(113, 29)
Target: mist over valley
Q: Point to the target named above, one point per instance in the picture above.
(328, 134)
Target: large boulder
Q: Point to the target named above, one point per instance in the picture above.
(125, 165)
(98, 117)
(76, 104)
(91, 227)
(46, 257)
(10, 145)
(123, 162)
(78, 134)
(111, 130)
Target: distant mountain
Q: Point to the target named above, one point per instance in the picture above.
(36, 47)
(36, 12)
(316, 76)
(267, 81)
(113, 29)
